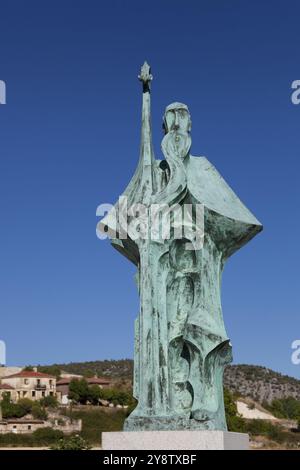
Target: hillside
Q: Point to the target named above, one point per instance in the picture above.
(122, 368)
(260, 383)
(257, 382)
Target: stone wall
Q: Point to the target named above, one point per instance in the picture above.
(23, 426)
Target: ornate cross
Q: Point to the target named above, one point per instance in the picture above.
(145, 76)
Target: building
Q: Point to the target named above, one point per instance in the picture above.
(27, 426)
(100, 381)
(28, 384)
(20, 426)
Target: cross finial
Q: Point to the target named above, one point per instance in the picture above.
(145, 76)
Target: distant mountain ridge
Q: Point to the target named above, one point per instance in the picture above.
(257, 382)
(122, 368)
(260, 383)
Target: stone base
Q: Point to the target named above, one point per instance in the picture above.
(175, 440)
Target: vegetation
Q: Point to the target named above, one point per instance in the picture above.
(49, 402)
(38, 411)
(284, 408)
(71, 443)
(40, 437)
(234, 421)
(260, 383)
(111, 368)
(54, 370)
(97, 420)
(259, 427)
(25, 406)
(117, 396)
(81, 392)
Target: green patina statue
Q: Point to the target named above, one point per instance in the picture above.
(181, 345)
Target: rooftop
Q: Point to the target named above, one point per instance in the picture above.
(29, 374)
(90, 380)
(6, 387)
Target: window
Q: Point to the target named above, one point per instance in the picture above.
(51, 394)
(33, 393)
(29, 427)
(43, 394)
(26, 381)
(14, 426)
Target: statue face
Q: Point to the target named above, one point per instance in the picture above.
(177, 117)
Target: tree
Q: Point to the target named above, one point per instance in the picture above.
(234, 422)
(288, 408)
(45, 436)
(230, 404)
(79, 391)
(15, 410)
(39, 412)
(94, 394)
(49, 402)
(89, 373)
(25, 404)
(117, 397)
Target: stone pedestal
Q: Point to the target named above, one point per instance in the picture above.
(174, 440)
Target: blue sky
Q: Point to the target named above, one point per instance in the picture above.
(69, 140)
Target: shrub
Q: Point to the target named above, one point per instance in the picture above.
(94, 394)
(45, 436)
(40, 437)
(288, 408)
(14, 410)
(25, 404)
(229, 403)
(117, 397)
(236, 424)
(38, 412)
(71, 443)
(96, 420)
(49, 402)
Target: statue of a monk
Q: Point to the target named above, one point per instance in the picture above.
(181, 345)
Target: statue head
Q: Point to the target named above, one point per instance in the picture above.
(177, 118)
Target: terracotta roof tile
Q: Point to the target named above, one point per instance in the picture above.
(29, 373)
(6, 387)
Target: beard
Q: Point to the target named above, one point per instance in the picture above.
(177, 144)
